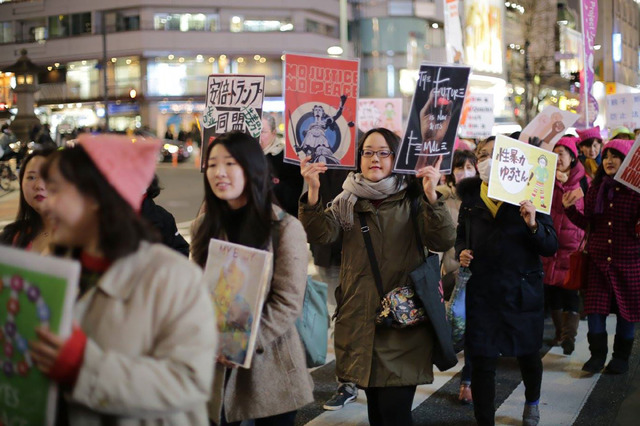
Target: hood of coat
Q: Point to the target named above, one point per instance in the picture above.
(468, 188)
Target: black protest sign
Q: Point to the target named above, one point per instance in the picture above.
(433, 119)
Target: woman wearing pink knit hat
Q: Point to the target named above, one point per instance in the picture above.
(612, 220)
(590, 144)
(564, 303)
(143, 347)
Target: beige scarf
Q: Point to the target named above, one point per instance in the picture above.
(356, 186)
(274, 147)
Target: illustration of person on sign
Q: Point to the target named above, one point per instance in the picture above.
(315, 143)
(542, 176)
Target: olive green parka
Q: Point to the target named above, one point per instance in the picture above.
(367, 355)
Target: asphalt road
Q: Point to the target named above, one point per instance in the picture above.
(183, 190)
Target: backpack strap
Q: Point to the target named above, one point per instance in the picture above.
(375, 269)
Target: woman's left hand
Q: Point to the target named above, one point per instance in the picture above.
(430, 178)
(528, 213)
(46, 350)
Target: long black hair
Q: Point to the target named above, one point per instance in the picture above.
(600, 173)
(120, 228)
(28, 223)
(256, 229)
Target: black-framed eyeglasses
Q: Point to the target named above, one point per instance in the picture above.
(383, 153)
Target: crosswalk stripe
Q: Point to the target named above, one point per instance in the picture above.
(565, 387)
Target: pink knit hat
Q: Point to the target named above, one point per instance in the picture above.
(593, 132)
(126, 163)
(569, 142)
(621, 145)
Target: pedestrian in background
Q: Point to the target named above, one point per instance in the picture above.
(388, 363)
(146, 337)
(505, 295)
(162, 220)
(239, 208)
(590, 145)
(286, 179)
(30, 230)
(564, 303)
(463, 167)
(611, 219)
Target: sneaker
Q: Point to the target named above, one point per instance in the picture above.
(341, 398)
(530, 415)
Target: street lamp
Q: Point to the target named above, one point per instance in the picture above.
(26, 75)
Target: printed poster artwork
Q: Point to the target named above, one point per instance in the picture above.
(548, 126)
(233, 102)
(629, 172)
(477, 118)
(237, 277)
(520, 171)
(321, 97)
(36, 291)
(385, 112)
(433, 119)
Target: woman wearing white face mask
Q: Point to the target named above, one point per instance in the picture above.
(463, 167)
(505, 295)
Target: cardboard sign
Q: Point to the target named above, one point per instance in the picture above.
(238, 277)
(36, 291)
(623, 110)
(433, 119)
(629, 172)
(233, 102)
(385, 113)
(321, 99)
(549, 126)
(520, 171)
(477, 116)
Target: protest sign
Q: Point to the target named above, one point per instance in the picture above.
(477, 118)
(623, 110)
(629, 172)
(37, 291)
(232, 102)
(385, 113)
(237, 277)
(433, 119)
(548, 126)
(320, 99)
(520, 171)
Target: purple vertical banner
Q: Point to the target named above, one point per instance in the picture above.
(588, 104)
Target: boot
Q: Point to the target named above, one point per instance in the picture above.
(598, 349)
(619, 363)
(556, 316)
(570, 321)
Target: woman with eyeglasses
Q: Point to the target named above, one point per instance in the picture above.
(388, 363)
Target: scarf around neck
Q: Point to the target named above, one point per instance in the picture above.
(606, 189)
(274, 148)
(356, 186)
(492, 205)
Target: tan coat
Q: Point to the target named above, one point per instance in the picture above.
(368, 355)
(451, 200)
(278, 380)
(151, 343)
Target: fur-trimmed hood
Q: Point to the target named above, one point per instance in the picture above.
(468, 188)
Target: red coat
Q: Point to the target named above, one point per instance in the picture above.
(569, 235)
(614, 252)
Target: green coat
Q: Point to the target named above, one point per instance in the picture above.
(365, 354)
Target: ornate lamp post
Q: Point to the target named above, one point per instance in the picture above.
(26, 74)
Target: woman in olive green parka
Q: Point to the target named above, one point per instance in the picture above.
(387, 363)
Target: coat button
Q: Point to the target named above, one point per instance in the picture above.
(608, 259)
(609, 241)
(617, 189)
(609, 223)
(259, 351)
(610, 204)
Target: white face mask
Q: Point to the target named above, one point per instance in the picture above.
(484, 170)
(463, 174)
